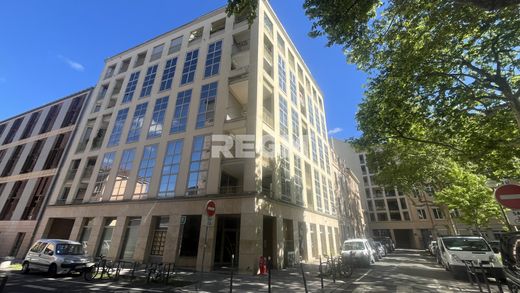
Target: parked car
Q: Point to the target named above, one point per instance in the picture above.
(358, 251)
(510, 252)
(495, 245)
(55, 256)
(455, 251)
(373, 247)
(387, 242)
(380, 248)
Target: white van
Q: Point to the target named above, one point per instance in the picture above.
(55, 256)
(455, 251)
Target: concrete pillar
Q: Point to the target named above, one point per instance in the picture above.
(76, 229)
(250, 242)
(208, 253)
(172, 239)
(95, 234)
(117, 238)
(141, 252)
(280, 242)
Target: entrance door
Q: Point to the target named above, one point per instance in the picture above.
(269, 238)
(403, 238)
(227, 240)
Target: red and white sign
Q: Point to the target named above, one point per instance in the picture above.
(210, 208)
(508, 195)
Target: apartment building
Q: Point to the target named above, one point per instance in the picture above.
(32, 146)
(140, 173)
(412, 220)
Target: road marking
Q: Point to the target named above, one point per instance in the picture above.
(39, 287)
(364, 275)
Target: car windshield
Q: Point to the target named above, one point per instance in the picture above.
(466, 244)
(353, 246)
(69, 249)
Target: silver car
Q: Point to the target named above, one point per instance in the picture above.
(55, 256)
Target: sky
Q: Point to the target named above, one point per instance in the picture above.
(53, 48)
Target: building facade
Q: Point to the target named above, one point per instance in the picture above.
(32, 147)
(140, 173)
(411, 220)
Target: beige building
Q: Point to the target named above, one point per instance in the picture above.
(32, 146)
(138, 176)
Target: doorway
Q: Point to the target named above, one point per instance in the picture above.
(403, 238)
(269, 238)
(227, 240)
(59, 228)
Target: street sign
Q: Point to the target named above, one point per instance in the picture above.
(210, 208)
(508, 195)
(514, 217)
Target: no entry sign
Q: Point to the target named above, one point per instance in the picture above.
(210, 208)
(508, 195)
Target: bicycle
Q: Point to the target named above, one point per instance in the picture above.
(101, 268)
(337, 266)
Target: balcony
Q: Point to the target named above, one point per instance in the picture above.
(232, 175)
(240, 57)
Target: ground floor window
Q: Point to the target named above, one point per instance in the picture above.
(314, 240)
(159, 235)
(85, 232)
(130, 241)
(190, 232)
(106, 237)
(323, 239)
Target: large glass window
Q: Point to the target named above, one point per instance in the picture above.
(421, 213)
(144, 175)
(157, 124)
(322, 158)
(206, 113)
(159, 235)
(137, 123)
(123, 174)
(332, 198)
(57, 150)
(11, 163)
(190, 235)
(285, 174)
(309, 108)
(106, 237)
(190, 66)
(148, 81)
(294, 92)
(130, 87)
(85, 232)
(325, 195)
(102, 177)
(298, 183)
(170, 168)
(314, 149)
(130, 240)
(12, 132)
(175, 45)
(48, 123)
(12, 200)
(295, 119)
(182, 108)
(284, 119)
(156, 52)
(35, 202)
(213, 59)
(33, 156)
(168, 74)
(199, 165)
(73, 112)
(30, 125)
(282, 78)
(118, 127)
(317, 187)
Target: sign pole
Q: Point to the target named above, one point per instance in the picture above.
(210, 211)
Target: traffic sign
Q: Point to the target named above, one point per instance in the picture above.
(508, 195)
(210, 208)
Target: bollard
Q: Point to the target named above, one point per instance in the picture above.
(321, 274)
(269, 267)
(231, 279)
(303, 276)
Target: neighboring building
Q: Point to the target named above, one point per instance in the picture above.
(32, 146)
(139, 175)
(351, 216)
(411, 220)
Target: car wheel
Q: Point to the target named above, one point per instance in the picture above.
(25, 267)
(53, 270)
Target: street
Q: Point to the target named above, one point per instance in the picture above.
(402, 271)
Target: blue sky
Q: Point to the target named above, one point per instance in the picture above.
(52, 48)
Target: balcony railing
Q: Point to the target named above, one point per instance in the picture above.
(231, 189)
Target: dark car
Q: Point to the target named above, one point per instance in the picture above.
(387, 242)
(510, 252)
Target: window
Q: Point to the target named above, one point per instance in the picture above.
(2, 128)
(322, 159)
(380, 204)
(323, 238)
(421, 213)
(36, 200)
(130, 240)
(190, 66)
(32, 158)
(294, 90)
(12, 132)
(159, 235)
(57, 150)
(314, 240)
(317, 187)
(206, 114)
(326, 203)
(124, 65)
(118, 127)
(437, 213)
(148, 81)
(182, 107)
(295, 119)
(137, 123)
(281, 44)
(30, 125)
(199, 165)
(169, 72)
(159, 110)
(284, 118)
(282, 83)
(102, 177)
(123, 173)
(213, 59)
(106, 237)
(12, 200)
(110, 71)
(145, 172)
(285, 174)
(130, 87)
(51, 117)
(88, 223)
(382, 217)
(140, 59)
(196, 35)
(268, 24)
(175, 45)
(157, 52)
(11, 163)
(311, 113)
(73, 112)
(314, 149)
(218, 26)
(170, 168)
(190, 236)
(298, 184)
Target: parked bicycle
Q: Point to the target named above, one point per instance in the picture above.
(337, 267)
(101, 268)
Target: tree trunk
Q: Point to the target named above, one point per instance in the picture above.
(515, 106)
